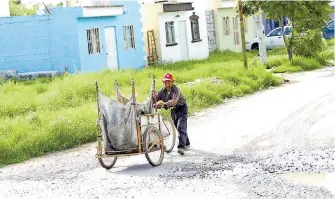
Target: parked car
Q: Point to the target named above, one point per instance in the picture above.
(328, 30)
(272, 40)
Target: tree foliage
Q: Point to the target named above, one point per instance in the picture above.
(306, 20)
(18, 9)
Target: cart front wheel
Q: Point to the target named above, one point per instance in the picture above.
(170, 138)
(107, 163)
(153, 146)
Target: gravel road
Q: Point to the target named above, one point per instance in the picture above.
(277, 143)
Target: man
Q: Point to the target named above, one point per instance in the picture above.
(173, 99)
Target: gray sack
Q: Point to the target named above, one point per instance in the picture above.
(118, 122)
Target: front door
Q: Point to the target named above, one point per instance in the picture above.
(111, 50)
(183, 40)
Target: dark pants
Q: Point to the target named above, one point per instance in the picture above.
(179, 116)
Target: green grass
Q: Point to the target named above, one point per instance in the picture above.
(299, 64)
(47, 115)
(287, 69)
(275, 60)
(279, 63)
(330, 42)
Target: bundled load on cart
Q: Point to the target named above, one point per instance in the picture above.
(126, 127)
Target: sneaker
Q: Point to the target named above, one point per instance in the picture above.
(188, 147)
(181, 151)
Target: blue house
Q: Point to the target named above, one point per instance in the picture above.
(270, 24)
(86, 39)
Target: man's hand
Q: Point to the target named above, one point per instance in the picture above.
(159, 105)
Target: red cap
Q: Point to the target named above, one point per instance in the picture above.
(168, 76)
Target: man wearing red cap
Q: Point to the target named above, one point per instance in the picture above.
(173, 99)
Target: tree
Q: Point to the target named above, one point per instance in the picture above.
(18, 9)
(60, 4)
(306, 18)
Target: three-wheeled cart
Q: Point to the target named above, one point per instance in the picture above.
(150, 140)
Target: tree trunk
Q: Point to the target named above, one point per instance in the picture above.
(242, 34)
(281, 21)
(290, 47)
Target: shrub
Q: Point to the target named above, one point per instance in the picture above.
(275, 60)
(287, 68)
(306, 63)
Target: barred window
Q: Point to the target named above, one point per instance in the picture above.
(93, 41)
(129, 37)
(195, 27)
(226, 26)
(169, 32)
(236, 31)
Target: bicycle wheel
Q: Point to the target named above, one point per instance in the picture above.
(153, 145)
(170, 139)
(107, 162)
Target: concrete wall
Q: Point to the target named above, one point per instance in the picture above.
(197, 50)
(211, 30)
(53, 42)
(40, 43)
(65, 47)
(226, 42)
(25, 43)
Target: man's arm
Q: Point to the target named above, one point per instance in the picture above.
(174, 100)
(158, 95)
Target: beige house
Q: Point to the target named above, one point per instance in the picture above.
(228, 34)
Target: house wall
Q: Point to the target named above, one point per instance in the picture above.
(65, 47)
(197, 50)
(226, 42)
(53, 42)
(25, 43)
(131, 58)
(39, 43)
(270, 24)
(150, 14)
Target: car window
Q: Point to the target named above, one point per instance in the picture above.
(287, 30)
(276, 32)
(331, 25)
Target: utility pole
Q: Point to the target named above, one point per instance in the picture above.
(242, 33)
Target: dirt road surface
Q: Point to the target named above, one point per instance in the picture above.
(277, 143)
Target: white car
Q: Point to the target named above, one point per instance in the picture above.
(272, 40)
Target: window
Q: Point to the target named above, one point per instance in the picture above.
(195, 28)
(128, 37)
(226, 26)
(236, 31)
(169, 32)
(93, 41)
(276, 32)
(331, 25)
(288, 30)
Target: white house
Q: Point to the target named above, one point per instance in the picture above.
(4, 8)
(180, 31)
